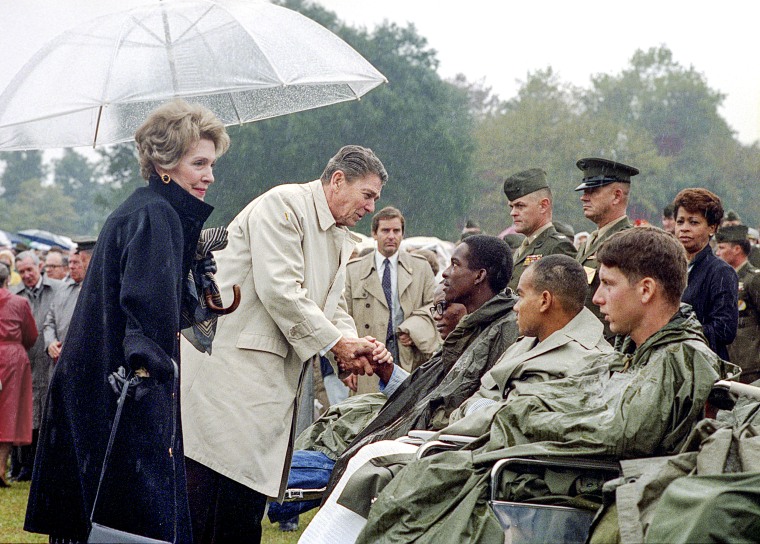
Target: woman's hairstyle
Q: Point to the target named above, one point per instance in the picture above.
(648, 252)
(4, 274)
(355, 162)
(171, 130)
(9, 254)
(702, 201)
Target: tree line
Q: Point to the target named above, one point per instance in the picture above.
(447, 145)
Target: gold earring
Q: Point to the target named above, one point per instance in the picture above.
(166, 179)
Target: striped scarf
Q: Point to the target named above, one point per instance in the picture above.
(198, 322)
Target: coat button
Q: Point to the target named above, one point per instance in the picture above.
(367, 305)
(366, 326)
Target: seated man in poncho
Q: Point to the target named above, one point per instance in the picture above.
(708, 493)
(560, 337)
(477, 278)
(642, 402)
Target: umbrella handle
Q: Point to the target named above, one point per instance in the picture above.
(220, 310)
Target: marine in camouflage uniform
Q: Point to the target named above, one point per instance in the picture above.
(605, 187)
(530, 200)
(734, 247)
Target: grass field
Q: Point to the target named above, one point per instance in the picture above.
(13, 506)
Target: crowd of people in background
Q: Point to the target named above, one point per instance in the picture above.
(49, 282)
(371, 322)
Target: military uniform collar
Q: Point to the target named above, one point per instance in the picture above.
(608, 227)
(742, 266)
(532, 238)
(584, 328)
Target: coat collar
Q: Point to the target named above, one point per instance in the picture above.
(702, 256)
(188, 207)
(584, 328)
(405, 271)
(324, 215)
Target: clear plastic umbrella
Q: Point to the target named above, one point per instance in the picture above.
(245, 60)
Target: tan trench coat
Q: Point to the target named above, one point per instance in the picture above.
(366, 300)
(239, 404)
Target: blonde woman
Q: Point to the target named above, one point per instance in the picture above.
(128, 315)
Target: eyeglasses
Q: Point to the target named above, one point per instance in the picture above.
(439, 308)
(49, 266)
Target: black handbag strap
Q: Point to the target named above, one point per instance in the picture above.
(117, 417)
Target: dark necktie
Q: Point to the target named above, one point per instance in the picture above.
(389, 337)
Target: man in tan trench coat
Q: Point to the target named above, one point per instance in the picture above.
(288, 251)
(411, 285)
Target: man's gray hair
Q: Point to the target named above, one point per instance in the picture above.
(355, 162)
(28, 255)
(64, 257)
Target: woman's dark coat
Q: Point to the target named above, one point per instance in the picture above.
(128, 314)
(713, 291)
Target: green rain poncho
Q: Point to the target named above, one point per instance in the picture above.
(428, 395)
(711, 489)
(641, 401)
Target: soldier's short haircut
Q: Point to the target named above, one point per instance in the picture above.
(745, 245)
(564, 278)
(648, 252)
(389, 212)
(493, 255)
(355, 162)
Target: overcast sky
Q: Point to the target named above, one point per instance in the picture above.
(500, 42)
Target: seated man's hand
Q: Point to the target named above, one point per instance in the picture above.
(405, 340)
(382, 360)
(352, 354)
(380, 354)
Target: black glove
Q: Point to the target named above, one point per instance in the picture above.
(205, 266)
(137, 388)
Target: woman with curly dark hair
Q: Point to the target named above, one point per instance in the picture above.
(712, 289)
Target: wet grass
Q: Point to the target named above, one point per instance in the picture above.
(13, 506)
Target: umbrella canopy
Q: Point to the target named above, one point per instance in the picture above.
(245, 60)
(47, 238)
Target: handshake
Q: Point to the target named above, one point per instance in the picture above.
(366, 355)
